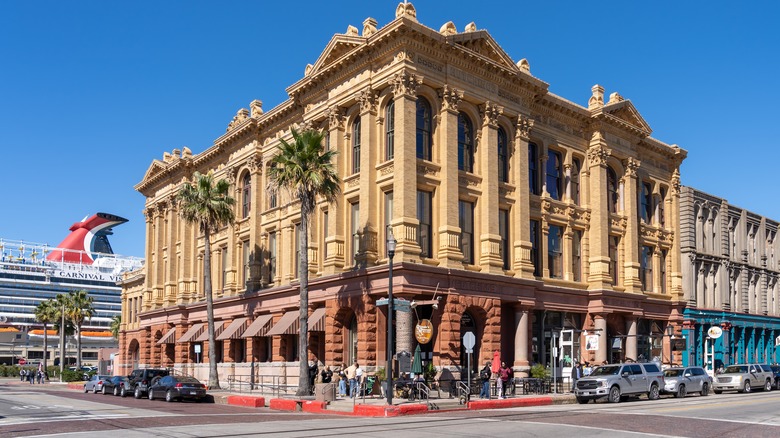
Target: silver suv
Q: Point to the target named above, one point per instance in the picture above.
(743, 378)
(617, 381)
(682, 381)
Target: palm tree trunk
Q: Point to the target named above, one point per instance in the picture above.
(45, 346)
(78, 347)
(213, 376)
(304, 385)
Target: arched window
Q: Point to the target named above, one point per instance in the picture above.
(356, 145)
(390, 131)
(533, 169)
(424, 129)
(468, 324)
(503, 159)
(246, 195)
(575, 180)
(272, 194)
(465, 143)
(352, 341)
(554, 174)
(612, 191)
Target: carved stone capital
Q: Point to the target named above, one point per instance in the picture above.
(405, 84)
(255, 163)
(598, 155)
(631, 164)
(230, 174)
(450, 97)
(335, 115)
(676, 182)
(524, 125)
(490, 113)
(368, 100)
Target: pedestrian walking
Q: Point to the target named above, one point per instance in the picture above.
(484, 375)
(343, 380)
(22, 374)
(576, 374)
(351, 378)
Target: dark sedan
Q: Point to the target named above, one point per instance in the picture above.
(114, 385)
(178, 388)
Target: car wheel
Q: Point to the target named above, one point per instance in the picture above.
(681, 392)
(614, 395)
(705, 389)
(85, 389)
(116, 391)
(169, 396)
(150, 395)
(768, 386)
(123, 392)
(582, 400)
(137, 393)
(95, 389)
(653, 394)
(747, 387)
(105, 390)
(717, 391)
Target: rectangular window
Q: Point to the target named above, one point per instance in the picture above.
(663, 271)
(661, 212)
(535, 240)
(614, 244)
(646, 268)
(425, 216)
(297, 260)
(576, 260)
(271, 257)
(555, 251)
(575, 180)
(354, 226)
(466, 222)
(503, 231)
(245, 262)
(554, 176)
(356, 146)
(388, 213)
(646, 202)
(324, 234)
(390, 131)
(533, 169)
(224, 267)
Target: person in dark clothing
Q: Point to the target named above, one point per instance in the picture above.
(327, 375)
(484, 375)
(313, 371)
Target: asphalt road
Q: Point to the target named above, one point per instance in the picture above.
(49, 411)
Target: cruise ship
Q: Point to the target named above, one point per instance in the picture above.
(31, 273)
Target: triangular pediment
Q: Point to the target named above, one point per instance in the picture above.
(338, 46)
(154, 169)
(482, 43)
(627, 112)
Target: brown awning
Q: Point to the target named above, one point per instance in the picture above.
(234, 330)
(259, 326)
(192, 333)
(317, 320)
(168, 338)
(288, 325)
(218, 329)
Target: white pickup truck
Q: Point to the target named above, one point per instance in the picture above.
(619, 380)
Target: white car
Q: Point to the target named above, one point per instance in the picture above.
(681, 381)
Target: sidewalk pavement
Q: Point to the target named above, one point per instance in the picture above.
(364, 407)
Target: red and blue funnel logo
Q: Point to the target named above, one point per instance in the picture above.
(87, 240)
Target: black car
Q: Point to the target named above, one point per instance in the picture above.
(178, 388)
(139, 381)
(114, 385)
(776, 374)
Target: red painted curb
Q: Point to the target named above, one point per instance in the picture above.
(389, 411)
(282, 404)
(509, 403)
(241, 400)
(79, 386)
(317, 407)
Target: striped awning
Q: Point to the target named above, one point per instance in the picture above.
(218, 329)
(259, 326)
(317, 320)
(234, 330)
(192, 333)
(169, 337)
(288, 325)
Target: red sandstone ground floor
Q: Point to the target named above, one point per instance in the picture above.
(524, 321)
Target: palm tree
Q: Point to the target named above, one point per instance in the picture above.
(80, 308)
(208, 204)
(116, 325)
(62, 324)
(46, 313)
(306, 170)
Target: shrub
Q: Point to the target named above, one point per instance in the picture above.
(539, 371)
(71, 376)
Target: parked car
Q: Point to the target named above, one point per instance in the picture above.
(619, 380)
(139, 381)
(95, 383)
(743, 378)
(776, 375)
(682, 381)
(177, 388)
(114, 385)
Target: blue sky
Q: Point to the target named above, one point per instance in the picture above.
(92, 91)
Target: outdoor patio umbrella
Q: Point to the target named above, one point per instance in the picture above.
(496, 362)
(417, 361)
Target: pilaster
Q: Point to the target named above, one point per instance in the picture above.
(368, 253)
(598, 259)
(334, 242)
(631, 249)
(521, 263)
(490, 239)
(450, 255)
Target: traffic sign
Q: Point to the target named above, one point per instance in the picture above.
(382, 302)
(469, 341)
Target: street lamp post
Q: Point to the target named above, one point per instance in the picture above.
(390, 310)
(669, 334)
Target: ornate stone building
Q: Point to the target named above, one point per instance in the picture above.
(730, 275)
(532, 218)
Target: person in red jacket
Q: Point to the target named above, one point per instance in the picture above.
(504, 374)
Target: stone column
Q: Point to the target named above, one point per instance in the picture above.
(450, 255)
(404, 218)
(600, 322)
(631, 339)
(675, 253)
(521, 339)
(521, 262)
(170, 284)
(598, 241)
(490, 239)
(368, 196)
(334, 242)
(631, 249)
(254, 280)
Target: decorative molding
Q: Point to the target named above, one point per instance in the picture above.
(524, 126)
(490, 112)
(367, 98)
(631, 164)
(407, 11)
(598, 155)
(240, 116)
(450, 98)
(424, 169)
(335, 115)
(405, 84)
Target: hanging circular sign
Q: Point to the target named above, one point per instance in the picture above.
(423, 331)
(714, 332)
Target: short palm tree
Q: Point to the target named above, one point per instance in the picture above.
(208, 204)
(80, 308)
(116, 326)
(306, 170)
(46, 313)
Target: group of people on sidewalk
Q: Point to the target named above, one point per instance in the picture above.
(33, 375)
(503, 376)
(349, 377)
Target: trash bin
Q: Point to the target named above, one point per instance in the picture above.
(325, 392)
